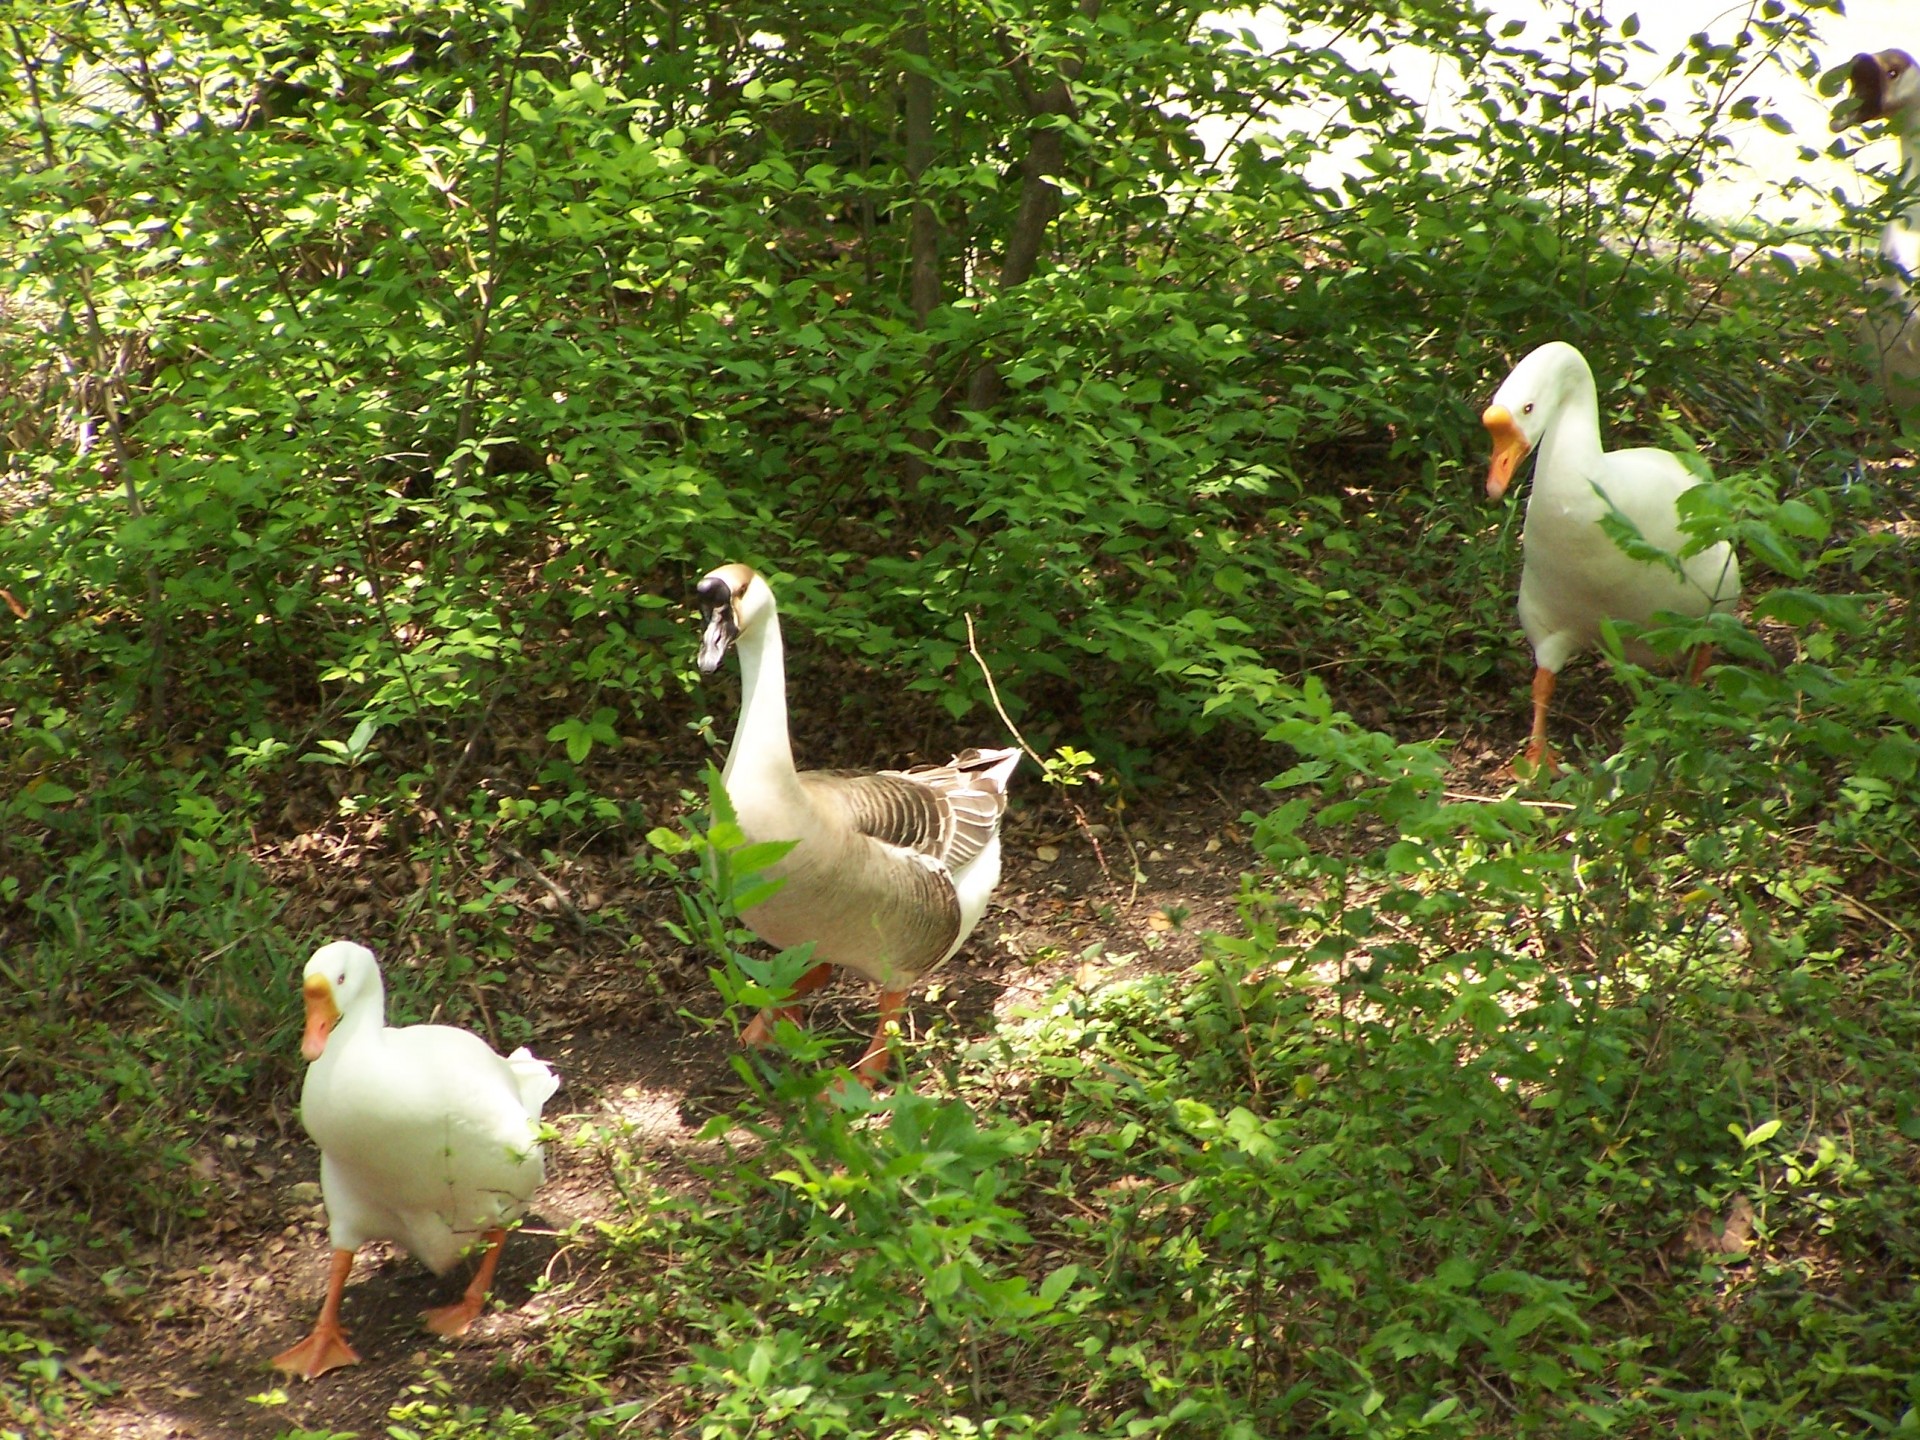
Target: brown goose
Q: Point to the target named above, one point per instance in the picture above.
(1887, 87)
(892, 869)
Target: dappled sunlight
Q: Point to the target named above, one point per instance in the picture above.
(1321, 1052)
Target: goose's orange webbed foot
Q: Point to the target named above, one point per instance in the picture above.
(325, 1349)
(760, 1029)
(452, 1320)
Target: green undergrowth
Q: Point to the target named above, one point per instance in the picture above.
(1584, 1111)
(366, 419)
(1479, 1195)
(439, 355)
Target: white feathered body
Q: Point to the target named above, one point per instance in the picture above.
(427, 1137)
(887, 911)
(1891, 329)
(1575, 577)
(1886, 86)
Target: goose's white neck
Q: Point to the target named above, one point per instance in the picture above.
(368, 1017)
(1909, 181)
(761, 751)
(1570, 443)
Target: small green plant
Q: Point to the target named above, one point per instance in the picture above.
(728, 877)
(40, 1395)
(580, 736)
(355, 750)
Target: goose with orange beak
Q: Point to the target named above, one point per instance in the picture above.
(1574, 577)
(427, 1138)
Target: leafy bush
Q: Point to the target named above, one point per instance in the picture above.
(373, 385)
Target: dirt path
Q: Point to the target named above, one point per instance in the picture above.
(190, 1356)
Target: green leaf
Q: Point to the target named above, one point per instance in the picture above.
(1759, 1135)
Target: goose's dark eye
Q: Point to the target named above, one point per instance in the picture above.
(1527, 409)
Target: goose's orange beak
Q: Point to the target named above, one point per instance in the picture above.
(1509, 449)
(322, 1015)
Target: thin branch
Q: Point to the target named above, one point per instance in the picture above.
(560, 897)
(112, 391)
(1079, 815)
(489, 286)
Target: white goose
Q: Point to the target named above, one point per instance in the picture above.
(1574, 577)
(427, 1138)
(1887, 87)
(893, 869)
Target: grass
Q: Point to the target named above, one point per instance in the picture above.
(1473, 1198)
(1636, 1157)
(1586, 1111)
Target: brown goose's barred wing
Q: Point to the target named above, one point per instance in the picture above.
(973, 787)
(945, 812)
(884, 805)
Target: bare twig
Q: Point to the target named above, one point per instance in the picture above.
(560, 896)
(1079, 815)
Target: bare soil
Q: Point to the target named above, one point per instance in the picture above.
(1094, 888)
(642, 1057)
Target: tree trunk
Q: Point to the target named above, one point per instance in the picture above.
(1039, 196)
(923, 275)
(924, 240)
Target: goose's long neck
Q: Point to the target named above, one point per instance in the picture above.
(368, 1017)
(761, 750)
(1570, 445)
(1909, 181)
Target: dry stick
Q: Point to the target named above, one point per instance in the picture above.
(1079, 815)
(479, 994)
(1873, 914)
(560, 896)
(478, 729)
